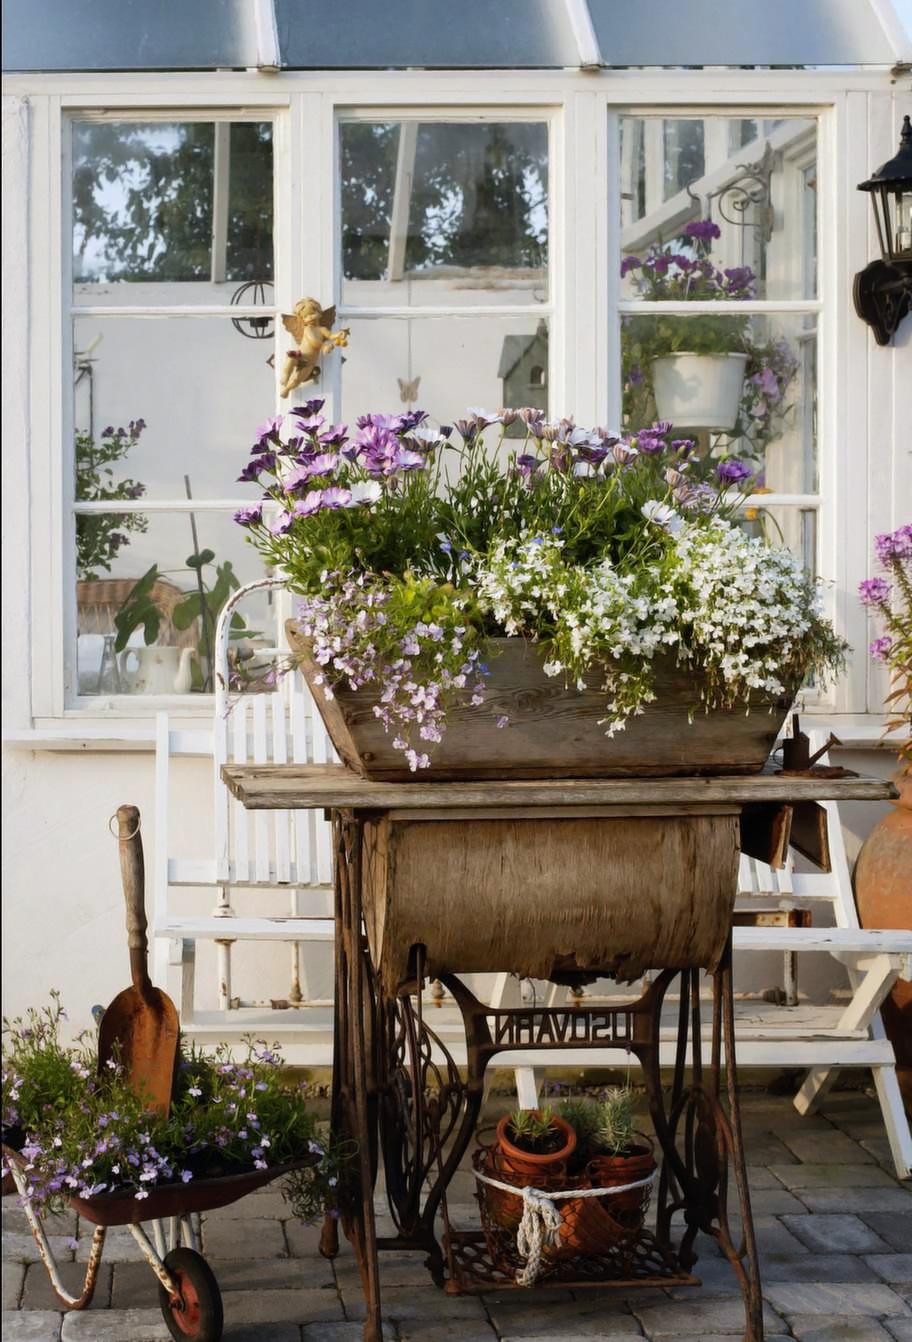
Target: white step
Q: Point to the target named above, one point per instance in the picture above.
(836, 940)
(246, 929)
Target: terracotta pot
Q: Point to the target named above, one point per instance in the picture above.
(594, 1225)
(529, 1166)
(512, 1165)
(883, 895)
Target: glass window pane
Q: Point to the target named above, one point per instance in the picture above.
(444, 365)
(196, 387)
(742, 386)
(171, 212)
(718, 208)
(795, 528)
(176, 657)
(444, 213)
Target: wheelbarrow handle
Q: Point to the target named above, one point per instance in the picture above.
(132, 871)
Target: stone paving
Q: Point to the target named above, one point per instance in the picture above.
(834, 1229)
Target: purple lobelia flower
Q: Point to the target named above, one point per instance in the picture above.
(732, 471)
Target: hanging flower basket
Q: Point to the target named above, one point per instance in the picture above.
(699, 391)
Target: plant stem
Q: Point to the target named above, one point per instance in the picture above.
(204, 607)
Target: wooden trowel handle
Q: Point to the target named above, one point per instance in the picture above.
(132, 872)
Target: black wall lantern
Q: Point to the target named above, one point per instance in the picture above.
(883, 290)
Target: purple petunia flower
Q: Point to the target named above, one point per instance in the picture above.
(732, 471)
(703, 229)
(874, 591)
(630, 263)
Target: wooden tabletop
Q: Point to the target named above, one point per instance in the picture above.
(332, 787)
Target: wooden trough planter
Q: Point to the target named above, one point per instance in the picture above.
(552, 731)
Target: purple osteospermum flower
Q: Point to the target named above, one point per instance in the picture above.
(267, 431)
(281, 525)
(703, 229)
(253, 470)
(873, 591)
(335, 497)
(311, 503)
(732, 471)
(249, 517)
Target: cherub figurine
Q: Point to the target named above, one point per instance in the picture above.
(311, 327)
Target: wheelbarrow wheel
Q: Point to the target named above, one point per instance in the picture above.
(197, 1313)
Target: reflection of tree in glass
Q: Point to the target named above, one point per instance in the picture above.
(142, 201)
(478, 196)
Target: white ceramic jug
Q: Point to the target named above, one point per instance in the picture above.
(156, 670)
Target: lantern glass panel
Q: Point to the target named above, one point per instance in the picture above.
(903, 225)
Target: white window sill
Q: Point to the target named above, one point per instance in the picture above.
(856, 731)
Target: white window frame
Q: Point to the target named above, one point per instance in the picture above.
(851, 107)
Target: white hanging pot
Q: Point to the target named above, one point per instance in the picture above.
(699, 391)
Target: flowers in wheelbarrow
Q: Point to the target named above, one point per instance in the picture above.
(81, 1134)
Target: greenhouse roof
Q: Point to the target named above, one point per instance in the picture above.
(438, 34)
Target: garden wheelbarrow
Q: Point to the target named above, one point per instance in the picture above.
(164, 1226)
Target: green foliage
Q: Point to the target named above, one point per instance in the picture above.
(100, 537)
(615, 1118)
(533, 1129)
(602, 1127)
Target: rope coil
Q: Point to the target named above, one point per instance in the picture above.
(540, 1224)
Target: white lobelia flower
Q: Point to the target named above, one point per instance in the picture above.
(663, 516)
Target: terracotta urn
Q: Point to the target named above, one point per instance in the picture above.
(883, 895)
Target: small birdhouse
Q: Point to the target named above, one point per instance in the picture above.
(524, 372)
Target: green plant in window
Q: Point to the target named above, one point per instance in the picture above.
(100, 537)
(202, 607)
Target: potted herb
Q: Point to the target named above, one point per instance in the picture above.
(619, 1154)
(610, 1154)
(586, 607)
(532, 1147)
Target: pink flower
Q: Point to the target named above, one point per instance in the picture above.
(880, 648)
(874, 591)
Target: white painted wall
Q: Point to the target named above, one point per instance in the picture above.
(61, 906)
